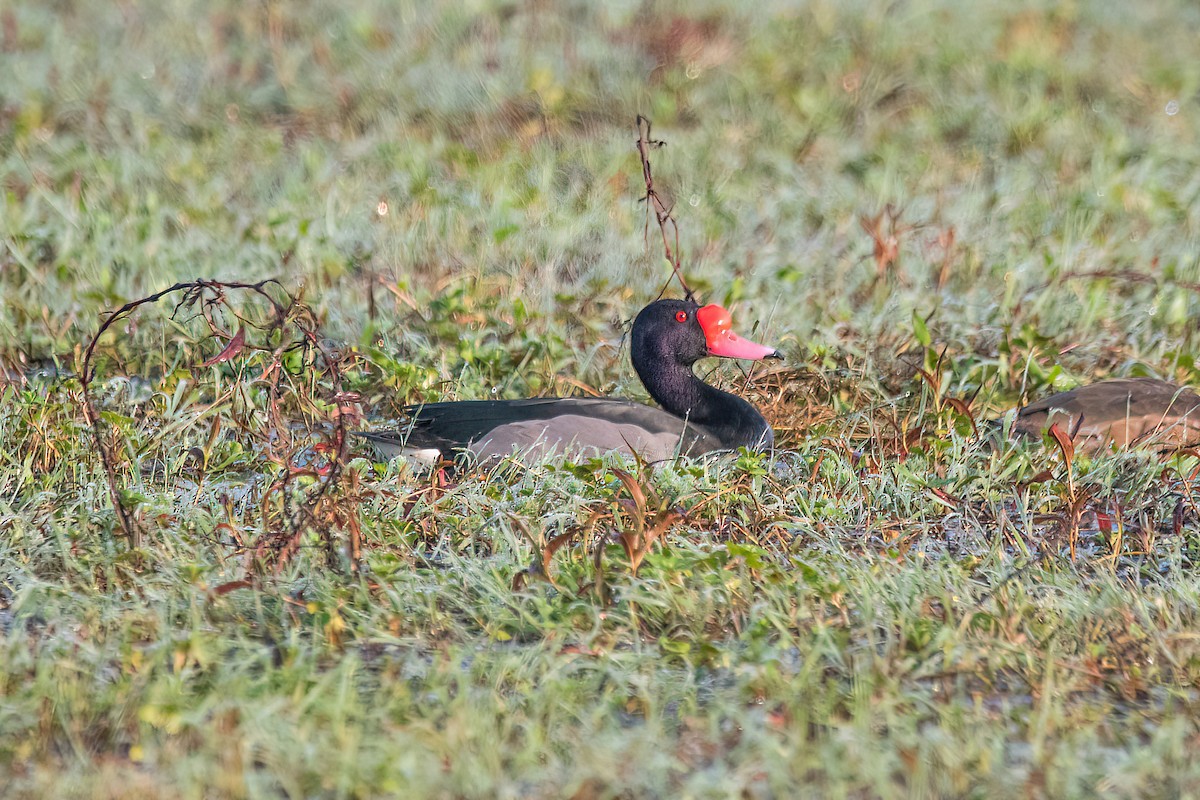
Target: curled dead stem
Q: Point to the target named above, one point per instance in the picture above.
(281, 535)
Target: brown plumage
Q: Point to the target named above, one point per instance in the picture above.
(1123, 412)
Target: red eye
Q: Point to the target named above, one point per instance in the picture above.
(681, 316)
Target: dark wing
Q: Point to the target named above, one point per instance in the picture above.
(456, 425)
(1122, 412)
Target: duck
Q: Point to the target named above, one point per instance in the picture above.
(668, 337)
(1117, 413)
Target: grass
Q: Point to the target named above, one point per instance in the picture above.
(1006, 196)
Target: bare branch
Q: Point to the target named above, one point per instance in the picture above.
(128, 527)
(661, 213)
(275, 544)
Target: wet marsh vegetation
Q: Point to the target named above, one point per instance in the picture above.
(935, 210)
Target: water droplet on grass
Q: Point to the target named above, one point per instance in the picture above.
(1172, 108)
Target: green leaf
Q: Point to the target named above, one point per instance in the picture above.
(921, 330)
(752, 555)
(116, 420)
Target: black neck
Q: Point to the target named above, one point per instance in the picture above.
(728, 417)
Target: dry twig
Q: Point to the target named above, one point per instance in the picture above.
(277, 543)
(666, 221)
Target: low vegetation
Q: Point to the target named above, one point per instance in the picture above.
(936, 210)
